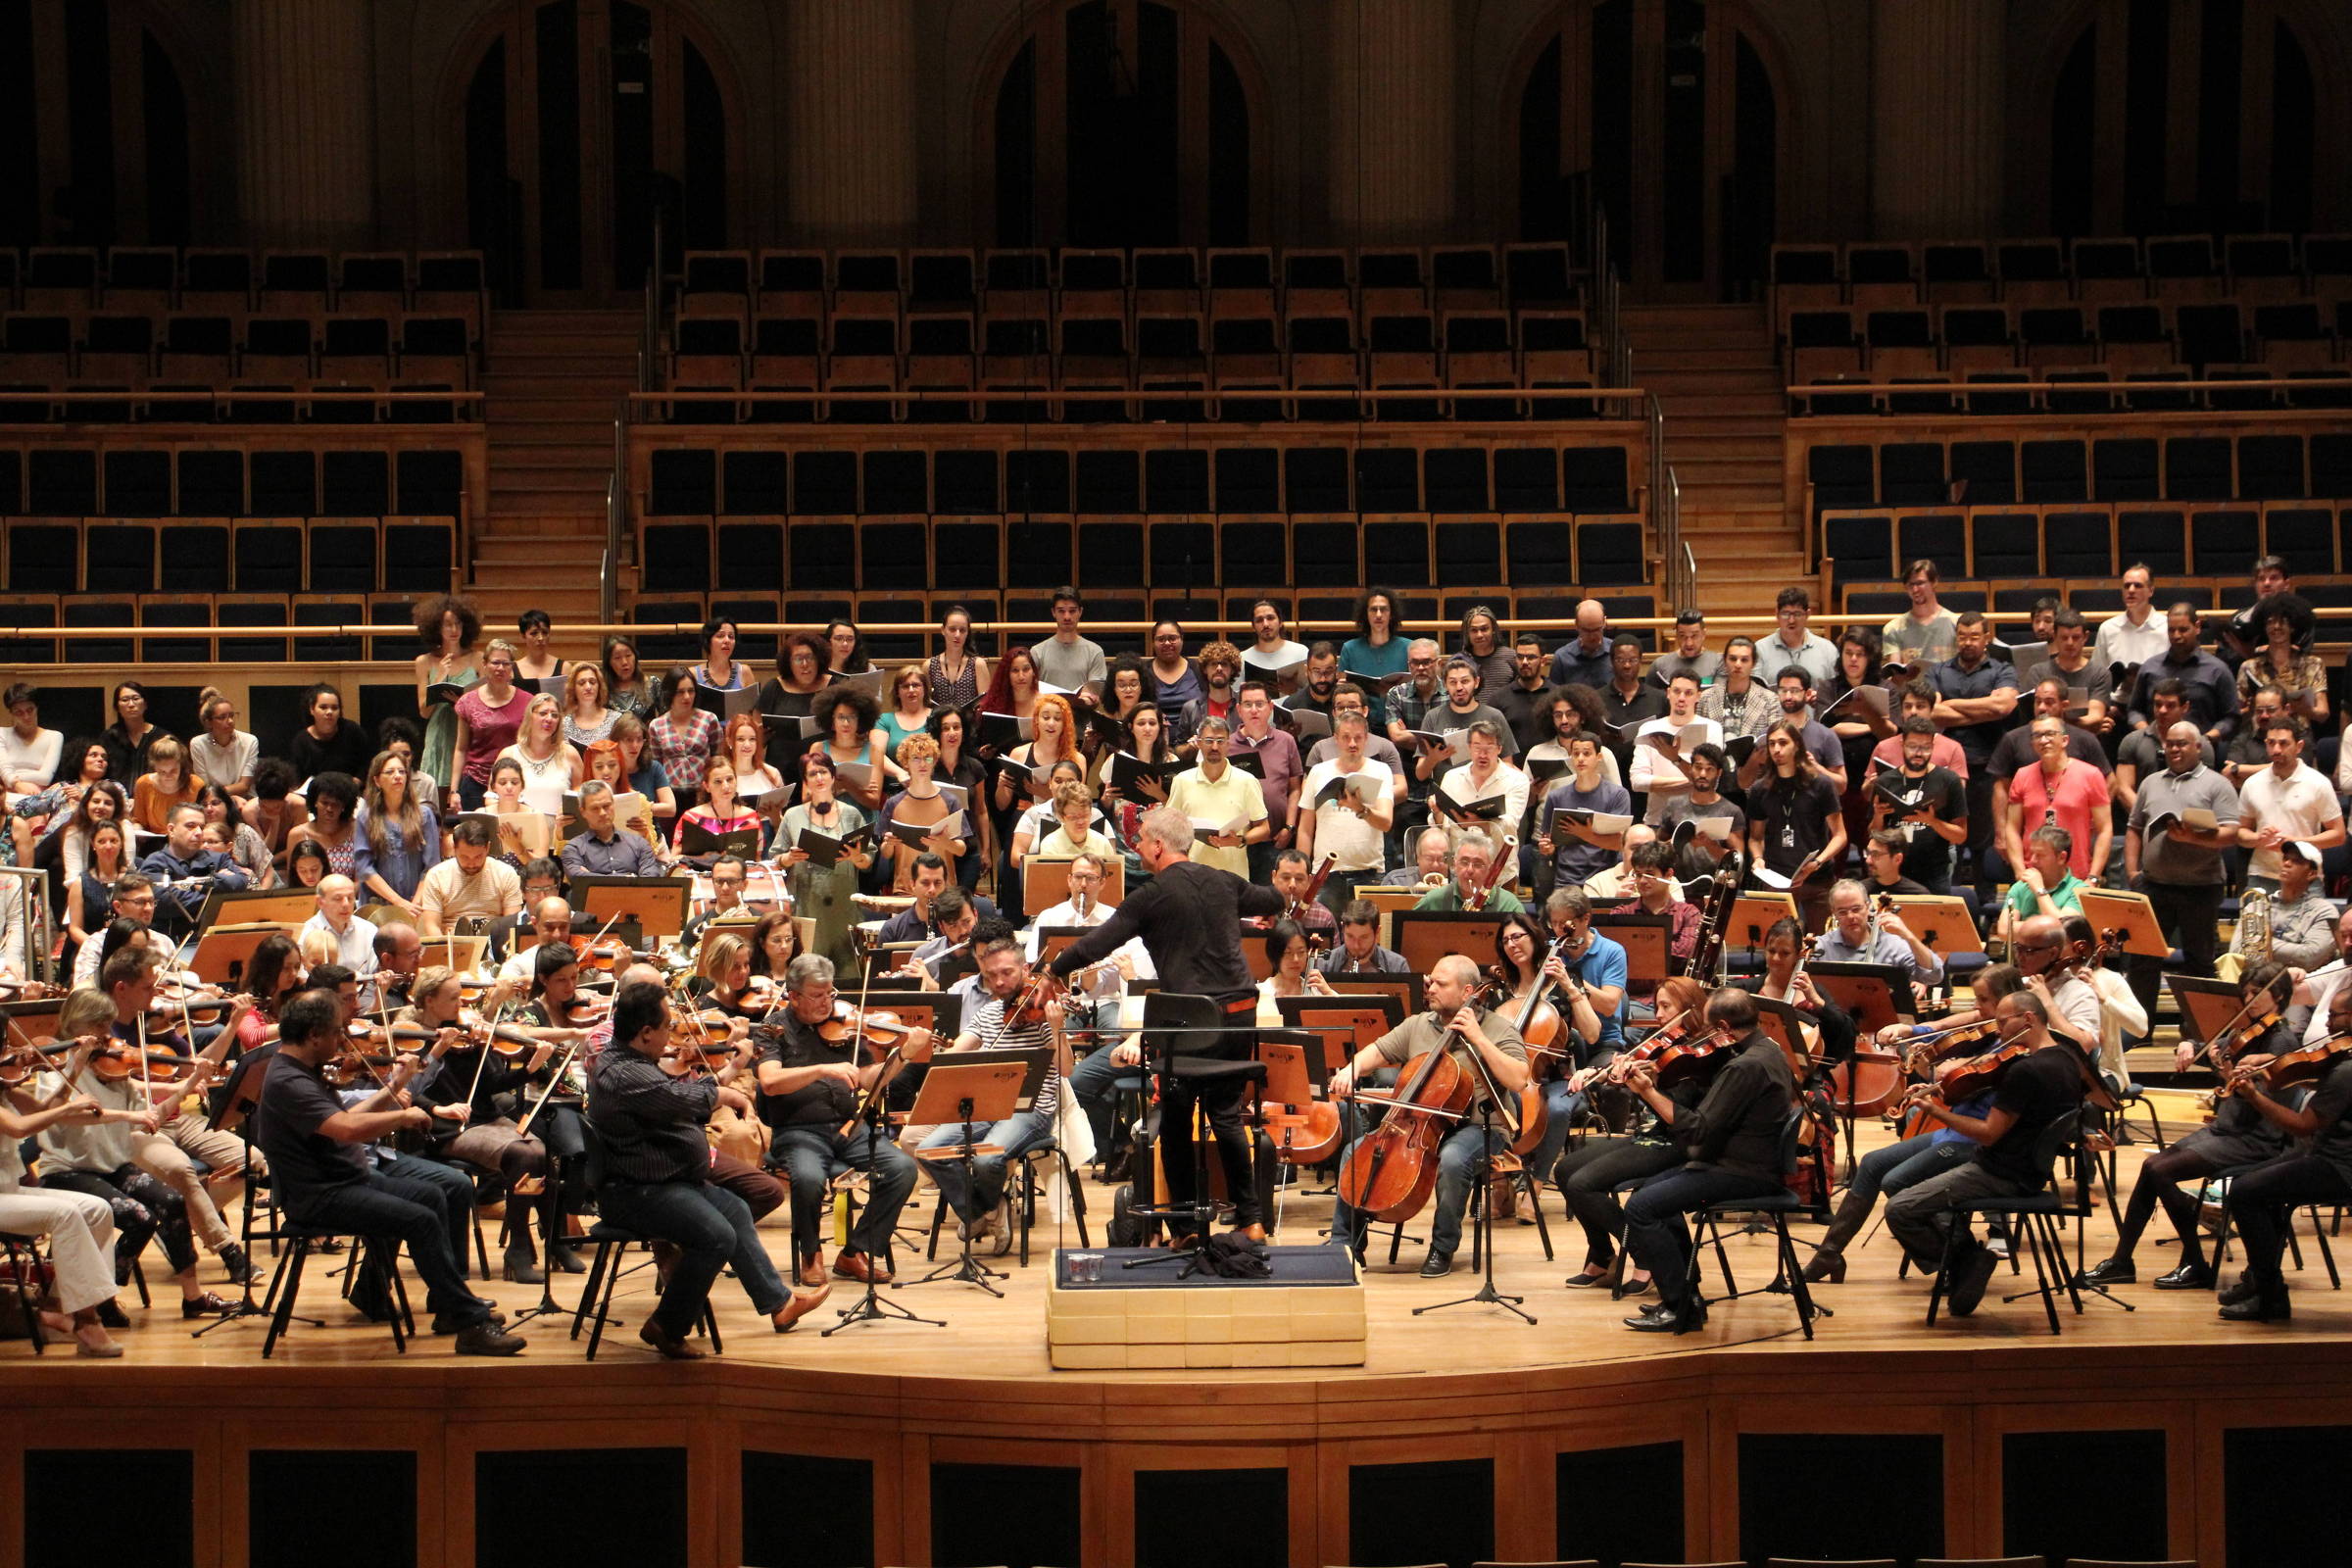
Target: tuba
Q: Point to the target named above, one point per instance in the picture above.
(2254, 926)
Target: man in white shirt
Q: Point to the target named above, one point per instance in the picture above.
(469, 884)
(1348, 697)
(2287, 802)
(354, 938)
(29, 753)
(2133, 637)
(1066, 660)
(1658, 751)
(223, 753)
(1483, 776)
(1351, 827)
(551, 920)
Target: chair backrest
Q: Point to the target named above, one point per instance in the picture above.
(1792, 1135)
(592, 1155)
(1169, 1017)
(2049, 1141)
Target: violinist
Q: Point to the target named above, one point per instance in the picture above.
(464, 1097)
(1473, 860)
(1733, 1139)
(551, 923)
(1358, 950)
(775, 943)
(737, 1139)
(2119, 1019)
(398, 952)
(1288, 951)
(2239, 1134)
(2045, 1085)
(1589, 1174)
(1905, 1163)
(657, 1174)
(324, 1180)
(1001, 1024)
(813, 1087)
(726, 975)
(1651, 867)
(1453, 1012)
(107, 1157)
(2317, 1169)
(80, 1225)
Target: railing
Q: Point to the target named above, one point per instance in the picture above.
(215, 397)
(1208, 405)
(2337, 390)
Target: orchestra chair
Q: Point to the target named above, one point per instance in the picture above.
(1022, 1186)
(1580, 1562)
(1706, 1228)
(605, 1269)
(1513, 1169)
(479, 1174)
(2319, 1230)
(2106, 1562)
(286, 1285)
(2034, 1219)
(20, 1256)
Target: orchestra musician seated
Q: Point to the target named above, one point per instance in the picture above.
(1358, 950)
(1469, 887)
(2263, 1200)
(1001, 1023)
(1589, 1174)
(1453, 1010)
(1855, 936)
(1651, 867)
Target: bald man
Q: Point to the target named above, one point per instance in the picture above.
(2179, 866)
(338, 917)
(551, 918)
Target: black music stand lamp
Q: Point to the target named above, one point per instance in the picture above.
(966, 1093)
(1173, 1018)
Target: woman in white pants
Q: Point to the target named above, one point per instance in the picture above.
(80, 1228)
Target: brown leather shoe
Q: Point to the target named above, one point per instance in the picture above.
(802, 1303)
(671, 1349)
(860, 1268)
(812, 1269)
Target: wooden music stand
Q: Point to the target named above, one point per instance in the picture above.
(36, 1020)
(716, 928)
(1754, 913)
(1942, 922)
(656, 903)
(462, 954)
(1296, 1066)
(278, 905)
(2128, 912)
(1785, 1026)
(1424, 936)
(1649, 943)
(1046, 883)
(936, 1011)
(223, 950)
(1356, 1021)
(1410, 990)
(2206, 1006)
(998, 1083)
(1875, 993)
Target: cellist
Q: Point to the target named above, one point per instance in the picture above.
(1453, 1012)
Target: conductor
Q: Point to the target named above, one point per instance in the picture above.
(1190, 920)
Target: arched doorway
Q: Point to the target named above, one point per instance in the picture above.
(94, 117)
(580, 118)
(1665, 113)
(2173, 116)
(1120, 122)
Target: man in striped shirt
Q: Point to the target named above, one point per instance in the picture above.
(975, 1198)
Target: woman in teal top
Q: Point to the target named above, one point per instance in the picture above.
(1378, 648)
(449, 627)
(907, 712)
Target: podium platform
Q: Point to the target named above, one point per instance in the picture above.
(1308, 1311)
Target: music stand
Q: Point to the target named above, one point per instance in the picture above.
(1875, 993)
(1649, 943)
(231, 1114)
(1410, 990)
(1754, 913)
(2129, 914)
(1940, 921)
(719, 925)
(1045, 881)
(276, 905)
(1359, 1020)
(223, 950)
(463, 954)
(968, 1093)
(656, 903)
(2206, 1006)
(1424, 936)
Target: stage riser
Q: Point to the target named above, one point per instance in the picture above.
(719, 1466)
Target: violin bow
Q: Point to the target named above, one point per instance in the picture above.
(522, 1128)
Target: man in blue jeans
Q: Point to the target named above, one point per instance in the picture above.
(656, 1168)
(811, 1087)
(1454, 1021)
(1004, 974)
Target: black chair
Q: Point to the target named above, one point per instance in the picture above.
(1789, 1274)
(20, 1254)
(2033, 1218)
(1173, 1022)
(378, 1252)
(605, 1269)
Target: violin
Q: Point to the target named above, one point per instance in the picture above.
(1967, 1077)
(22, 1059)
(2299, 1066)
(1696, 1055)
(119, 1060)
(874, 1026)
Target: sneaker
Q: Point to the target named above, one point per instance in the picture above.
(241, 1270)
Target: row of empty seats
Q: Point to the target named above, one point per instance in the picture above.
(898, 553)
(2146, 335)
(1886, 274)
(2009, 604)
(1118, 481)
(233, 482)
(63, 556)
(2218, 541)
(1309, 615)
(1918, 468)
(189, 350)
(78, 281)
(2009, 394)
(176, 616)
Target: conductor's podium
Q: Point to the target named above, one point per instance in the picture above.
(1308, 1311)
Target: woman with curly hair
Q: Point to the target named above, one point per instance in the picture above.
(448, 626)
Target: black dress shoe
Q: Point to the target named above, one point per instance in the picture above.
(2259, 1308)
(2245, 1290)
(446, 1324)
(1970, 1276)
(2113, 1271)
(1437, 1266)
(2187, 1277)
(1665, 1318)
(488, 1339)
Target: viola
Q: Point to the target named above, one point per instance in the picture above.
(22, 1059)
(877, 1027)
(2291, 1067)
(1971, 1076)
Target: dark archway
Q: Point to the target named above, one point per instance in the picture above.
(117, 167)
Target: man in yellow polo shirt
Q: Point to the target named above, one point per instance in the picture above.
(1216, 794)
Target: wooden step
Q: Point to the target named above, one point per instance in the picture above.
(1724, 356)
(540, 549)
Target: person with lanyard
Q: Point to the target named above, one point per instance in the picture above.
(1358, 950)
(1454, 1021)
(657, 1164)
(1585, 658)
(1738, 703)
(2046, 884)
(1473, 855)
(185, 873)
(2207, 684)
(1897, 1167)
(1579, 850)
(975, 1197)
(606, 849)
(1925, 634)
(2178, 866)
(1795, 829)
(1733, 1139)
(2288, 803)
(2316, 1168)
(815, 1088)
(1350, 828)
(1820, 741)
(1922, 804)
(318, 1150)
(1189, 919)
(2133, 637)
(1589, 1175)
(1851, 938)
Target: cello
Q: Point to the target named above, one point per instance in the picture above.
(1540, 1030)
(1393, 1169)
